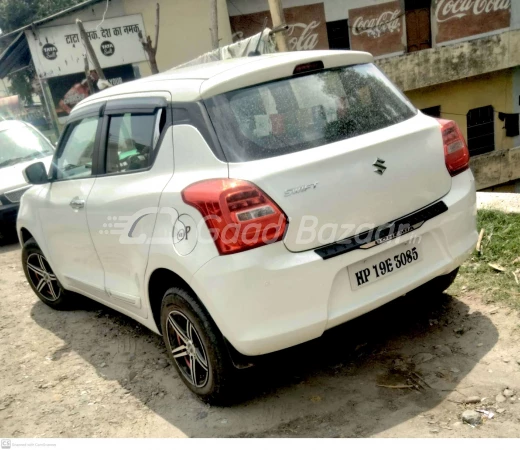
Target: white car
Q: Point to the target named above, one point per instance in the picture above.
(20, 145)
(245, 206)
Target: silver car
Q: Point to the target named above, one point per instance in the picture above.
(20, 145)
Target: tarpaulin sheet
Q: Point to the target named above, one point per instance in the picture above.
(237, 50)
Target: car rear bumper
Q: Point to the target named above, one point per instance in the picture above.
(268, 299)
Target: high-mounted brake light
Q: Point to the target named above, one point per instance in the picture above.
(308, 67)
(456, 153)
(239, 214)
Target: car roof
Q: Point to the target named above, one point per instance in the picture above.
(210, 79)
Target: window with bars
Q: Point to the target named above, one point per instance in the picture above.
(337, 32)
(433, 111)
(481, 130)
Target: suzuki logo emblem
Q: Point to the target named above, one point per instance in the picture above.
(379, 164)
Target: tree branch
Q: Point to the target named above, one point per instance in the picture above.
(148, 47)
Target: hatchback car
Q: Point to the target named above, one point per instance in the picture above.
(245, 206)
(20, 145)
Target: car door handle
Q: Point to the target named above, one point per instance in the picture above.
(77, 203)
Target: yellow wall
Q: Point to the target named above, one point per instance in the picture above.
(184, 29)
(460, 96)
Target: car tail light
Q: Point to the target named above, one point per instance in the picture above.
(456, 151)
(239, 214)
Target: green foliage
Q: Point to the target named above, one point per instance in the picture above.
(500, 247)
(17, 13)
(21, 85)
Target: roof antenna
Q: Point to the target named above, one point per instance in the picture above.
(255, 52)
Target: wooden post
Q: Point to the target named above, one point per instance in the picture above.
(49, 103)
(148, 47)
(87, 74)
(278, 19)
(214, 24)
(90, 50)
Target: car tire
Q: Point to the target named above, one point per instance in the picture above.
(42, 279)
(193, 340)
(440, 284)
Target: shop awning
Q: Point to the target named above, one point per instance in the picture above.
(16, 56)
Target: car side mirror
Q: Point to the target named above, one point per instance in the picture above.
(36, 174)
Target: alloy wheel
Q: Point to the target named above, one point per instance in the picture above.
(42, 277)
(187, 349)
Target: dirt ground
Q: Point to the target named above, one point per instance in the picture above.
(92, 372)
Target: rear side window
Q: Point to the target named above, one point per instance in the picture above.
(131, 140)
(303, 112)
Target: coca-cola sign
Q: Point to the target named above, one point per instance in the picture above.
(303, 36)
(377, 29)
(307, 26)
(458, 19)
(387, 22)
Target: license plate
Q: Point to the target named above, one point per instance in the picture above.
(383, 265)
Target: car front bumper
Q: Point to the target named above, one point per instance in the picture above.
(268, 299)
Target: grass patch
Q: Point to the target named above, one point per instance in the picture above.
(500, 246)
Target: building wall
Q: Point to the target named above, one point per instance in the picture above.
(334, 9)
(184, 29)
(307, 19)
(93, 12)
(500, 168)
(458, 97)
(516, 99)
(381, 26)
(457, 61)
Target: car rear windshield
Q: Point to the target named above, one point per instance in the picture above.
(305, 111)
